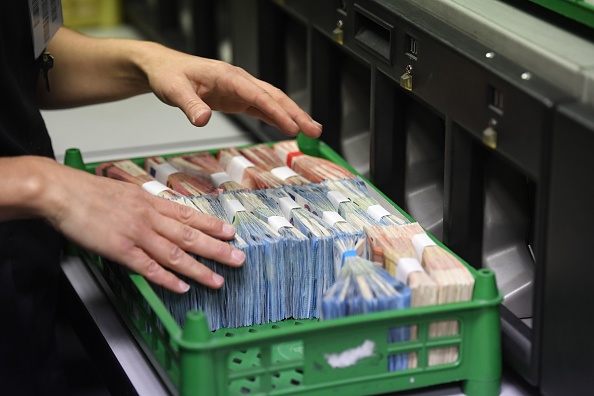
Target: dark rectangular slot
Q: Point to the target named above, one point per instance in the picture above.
(374, 35)
(495, 100)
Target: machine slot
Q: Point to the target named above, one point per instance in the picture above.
(355, 92)
(508, 234)
(374, 34)
(424, 174)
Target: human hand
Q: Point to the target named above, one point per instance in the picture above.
(198, 85)
(91, 70)
(123, 223)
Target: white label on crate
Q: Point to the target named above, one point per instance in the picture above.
(278, 222)
(163, 171)
(406, 266)
(154, 187)
(237, 166)
(377, 212)
(283, 172)
(336, 198)
(219, 178)
(420, 242)
(46, 19)
(350, 357)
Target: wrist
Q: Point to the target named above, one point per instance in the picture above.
(25, 178)
(144, 58)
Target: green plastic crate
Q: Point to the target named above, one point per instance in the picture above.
(578, 10)
(290, 357)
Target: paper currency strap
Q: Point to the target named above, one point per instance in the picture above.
(154, 187)
(219, 178)
(336, 198)
(161, 172)
(377, 212)
(278, 222)
(237, 166)
(346, 255)
(287, 205)
(406, 266)
(283, 172)
(420, 242)
(231, 207)
(292, 155)
(332, 217)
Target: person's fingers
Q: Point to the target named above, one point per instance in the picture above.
(288, 114)
(203, 85)
(170, 255)
(258, 97)
(307, 125)
(160, 236)
(193, 218)
(192, 240)
(147, 234)
(257, 113)
(183, 95)
(138, 261)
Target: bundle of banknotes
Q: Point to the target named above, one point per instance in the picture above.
(318, 243)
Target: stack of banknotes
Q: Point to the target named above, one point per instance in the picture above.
(318, 243)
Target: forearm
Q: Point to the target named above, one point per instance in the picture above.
(90, 70)
(24, 187)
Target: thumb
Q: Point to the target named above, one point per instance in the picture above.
(195, 109)
(198, 113)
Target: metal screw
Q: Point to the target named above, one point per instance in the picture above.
(490, 55)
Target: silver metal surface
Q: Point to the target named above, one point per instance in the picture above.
(137, 127)
(559, 56)
(117, 336)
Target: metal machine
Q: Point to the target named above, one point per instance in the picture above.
(474, 116)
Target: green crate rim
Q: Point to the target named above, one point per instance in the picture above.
(577, 10)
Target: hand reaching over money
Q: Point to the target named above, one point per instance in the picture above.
(119, 221)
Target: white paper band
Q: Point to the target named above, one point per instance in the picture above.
(377, 212)
(162, 171)
(219, 178)
(405, 267)
(154, 187)
(232, 206)
(332, 217)
(277, 222)
(237, 166)
(287, 205)
(283, 172)
(336, 198)
(420, 242)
